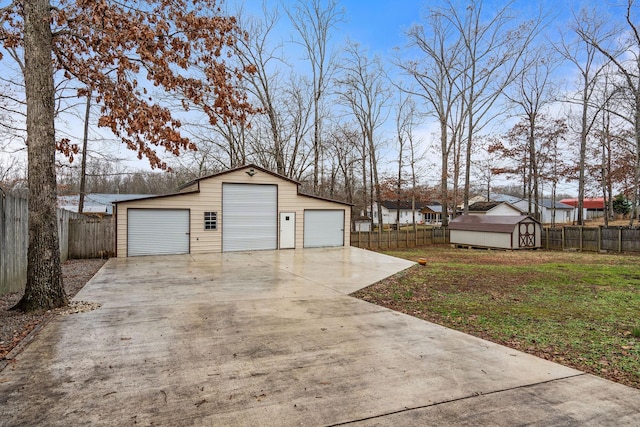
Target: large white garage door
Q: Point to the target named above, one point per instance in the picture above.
(157, 231)
(249, 217)
(323, 228)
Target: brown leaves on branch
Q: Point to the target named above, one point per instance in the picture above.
(121, 50)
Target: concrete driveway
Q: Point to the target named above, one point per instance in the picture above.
(271, 338)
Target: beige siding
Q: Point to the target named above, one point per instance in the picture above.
(210, 199)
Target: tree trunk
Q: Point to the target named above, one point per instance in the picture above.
(44, 289)
(583, 150)
(376, 181)
(636, 177)
(444, 184)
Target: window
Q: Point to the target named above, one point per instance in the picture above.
(211, 220)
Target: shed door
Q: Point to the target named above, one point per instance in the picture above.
(527, 234)
(157, 231)
(323, 228)
(249, 217)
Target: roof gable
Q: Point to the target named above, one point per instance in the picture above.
(249, 167)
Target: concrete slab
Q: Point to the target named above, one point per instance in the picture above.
(270, 338)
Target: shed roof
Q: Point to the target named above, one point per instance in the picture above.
(490, 223)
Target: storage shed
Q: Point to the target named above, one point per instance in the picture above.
(496, 231)
(248, 208)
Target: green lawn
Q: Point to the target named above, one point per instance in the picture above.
(578, 309)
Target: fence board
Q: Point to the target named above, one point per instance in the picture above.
(14, 241)
(399, 239)
(91, 238)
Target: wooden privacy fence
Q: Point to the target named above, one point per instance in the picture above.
(14, 240)
(610, 239)
(91, 238)
(394, 239)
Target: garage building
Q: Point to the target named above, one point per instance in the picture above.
(248, 208)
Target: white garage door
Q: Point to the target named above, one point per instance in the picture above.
(157, 231)
(323, 228)
(249, 217)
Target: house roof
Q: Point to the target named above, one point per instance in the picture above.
(489, 223)
(483, 206)
(403, 204)
(97, 202)
(432, 208)
(546, 203)
(596, 203)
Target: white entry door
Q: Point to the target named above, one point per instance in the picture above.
(287, 230)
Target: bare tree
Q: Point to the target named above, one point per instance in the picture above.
(313, 22)
(583, 56)
(365, 92)
(405, 123)
(533, 91)
(436, 74)
(493, 49)
(255, 51)
(621, 46)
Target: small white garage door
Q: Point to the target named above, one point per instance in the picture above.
(323, 228)
(157, 231)
(249, 217)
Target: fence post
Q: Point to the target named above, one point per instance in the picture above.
(619, 239)
(599, 238)
(562, 238)
(546, 237)
(581, 237)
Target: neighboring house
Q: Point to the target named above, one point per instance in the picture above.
(550, 211)
(591, 208)
(432, 214)
(242, 209)
(496, 231)
(493, 208)
(390, 212)
(96, 203)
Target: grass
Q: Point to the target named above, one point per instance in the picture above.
(578, 309)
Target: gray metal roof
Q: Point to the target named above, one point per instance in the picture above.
(97, 202)
(546, 203)
(491, 223)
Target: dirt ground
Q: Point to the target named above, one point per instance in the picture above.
(16, 325)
